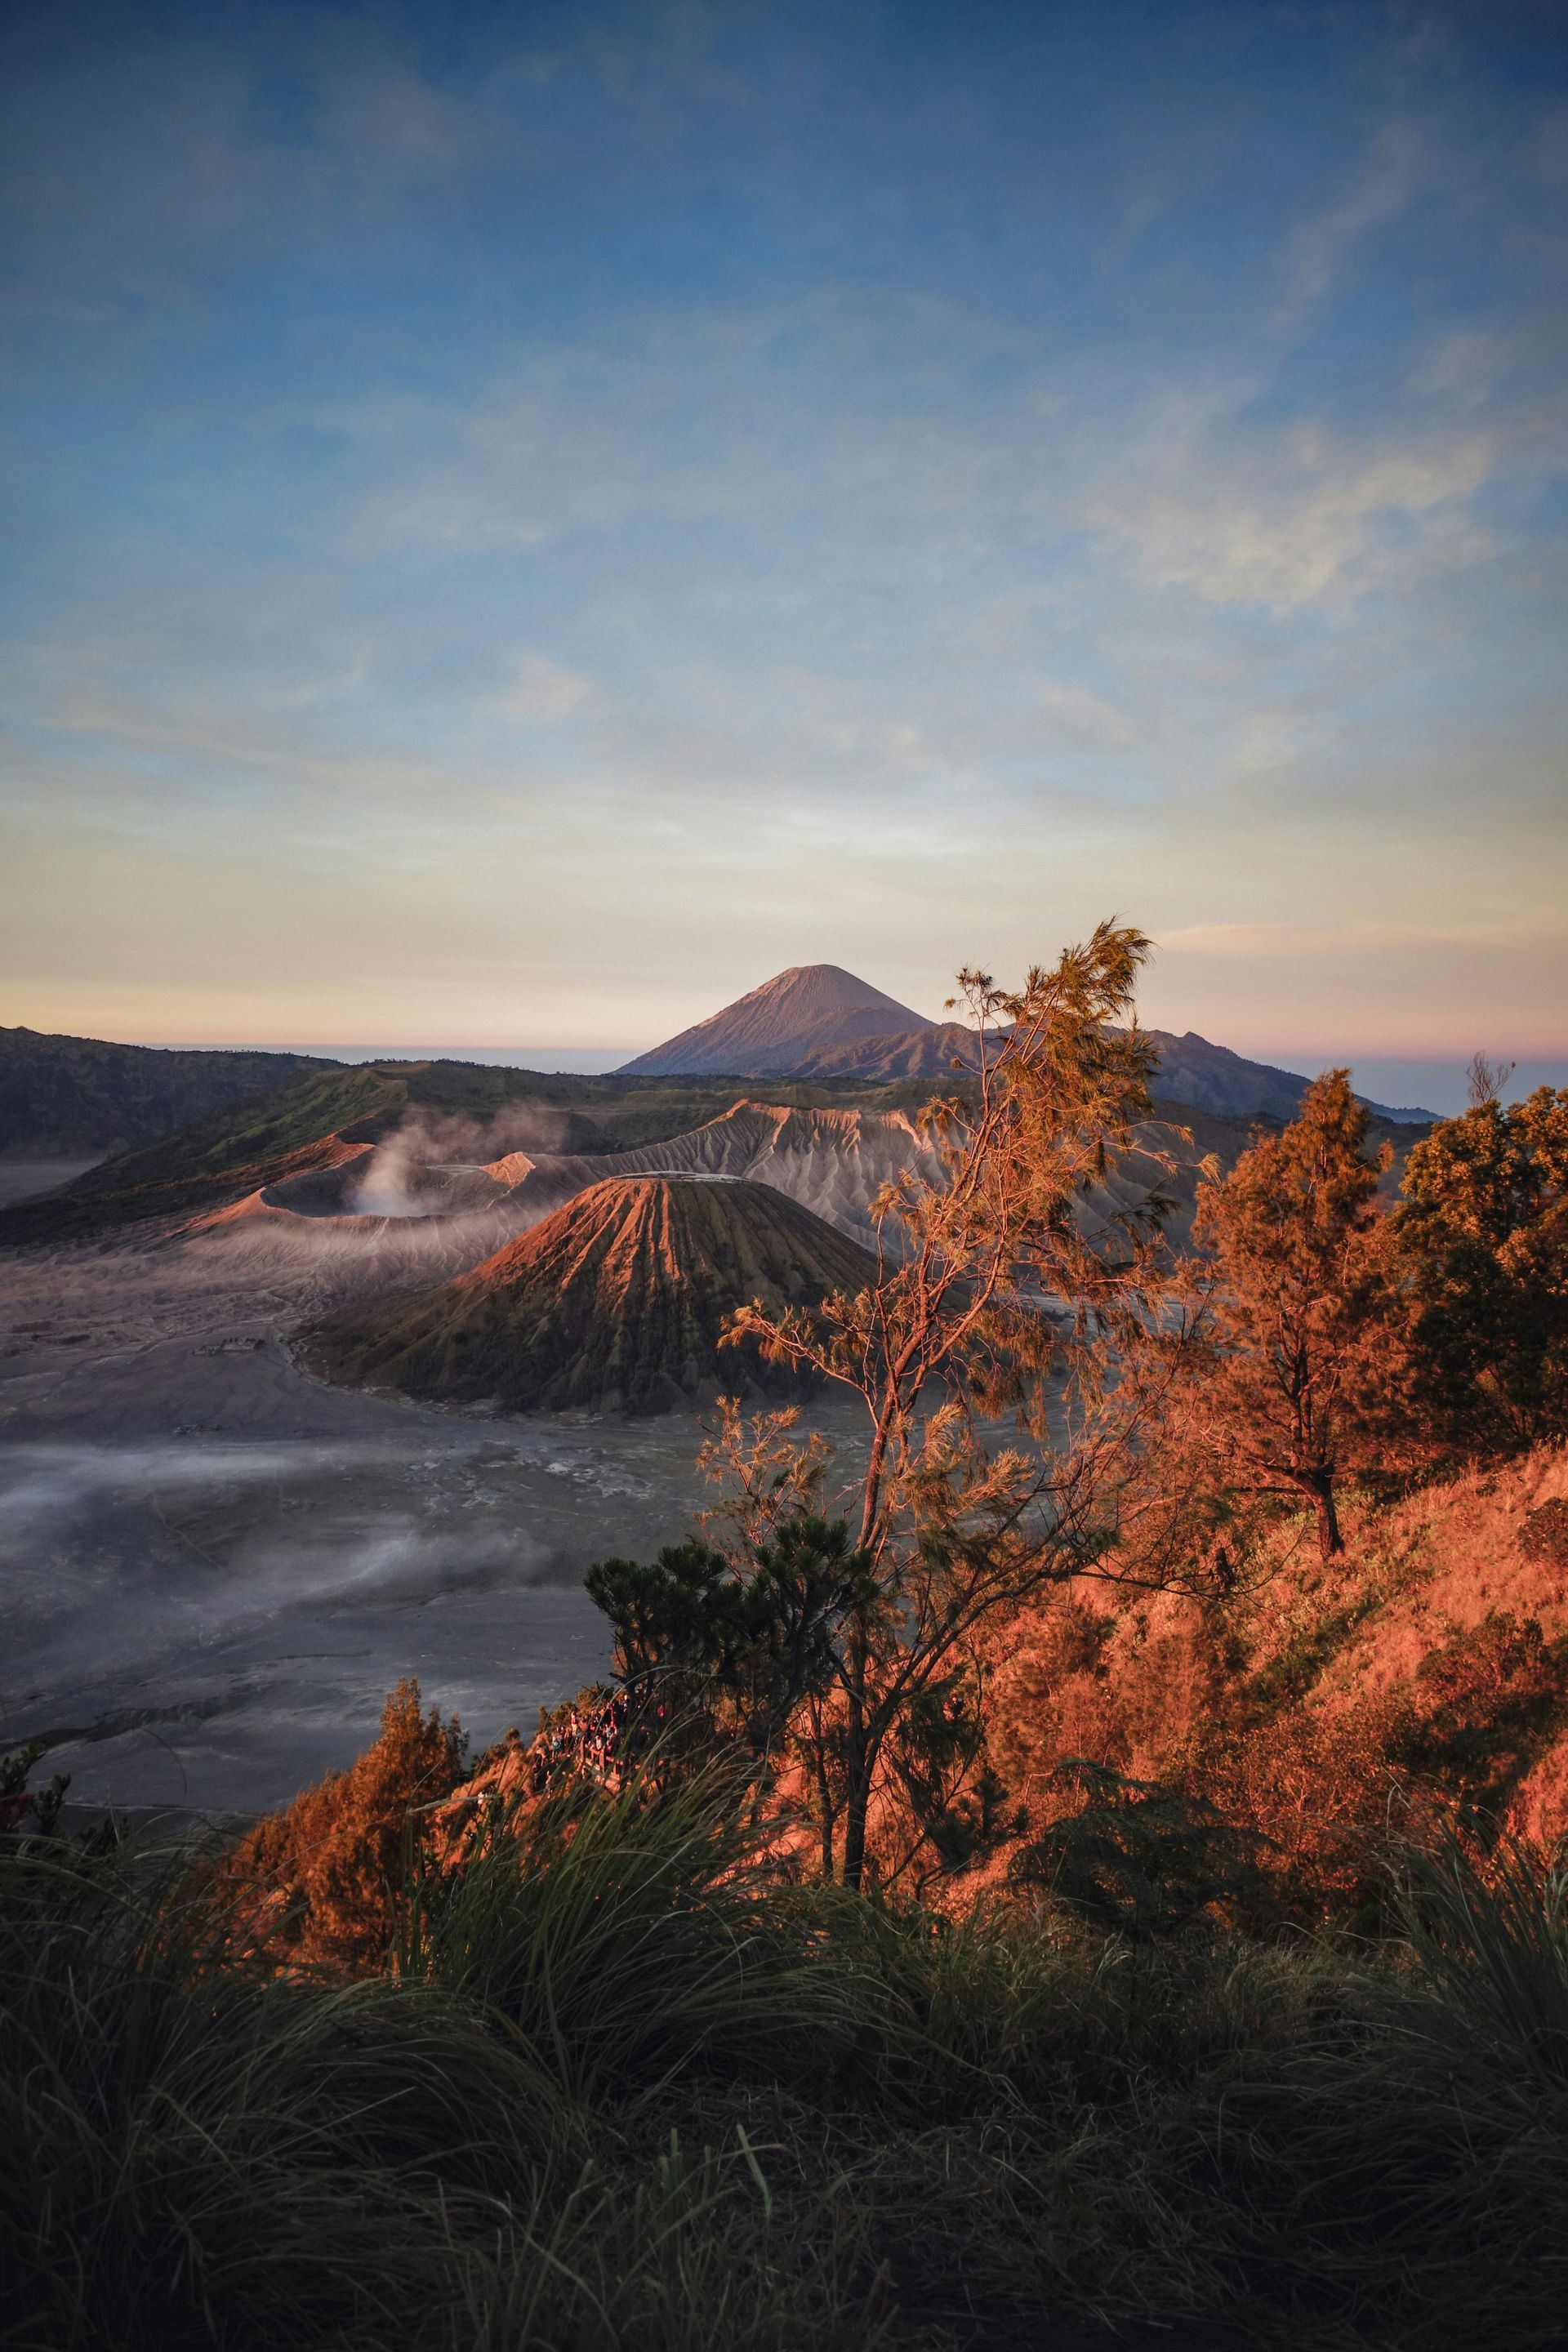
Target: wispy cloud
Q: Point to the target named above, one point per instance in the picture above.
(540, 691)
(787, 488)
(1382, 189)
(1293, 518)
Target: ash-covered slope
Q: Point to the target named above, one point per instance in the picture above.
(833, 1162)
(615, 1302)
(810, 1009)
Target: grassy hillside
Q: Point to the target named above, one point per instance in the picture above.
(67, 1098)
(218, 1159)
(615, 2085)
(1427, 1667)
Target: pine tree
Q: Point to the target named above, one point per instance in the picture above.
(1286, 1391)
(1483, 1226)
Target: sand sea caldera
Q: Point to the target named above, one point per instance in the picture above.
(216, 1566)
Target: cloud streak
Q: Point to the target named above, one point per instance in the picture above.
(540, 534)
(1381, 190)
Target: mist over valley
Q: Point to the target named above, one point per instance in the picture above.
(219, 1559)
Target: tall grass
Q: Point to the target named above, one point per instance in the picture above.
(1408, 2159)
(621, 2088)
(628, 1936)
(191, 2154)
(691, 2254)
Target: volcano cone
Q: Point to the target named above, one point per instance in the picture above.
(617, 1301)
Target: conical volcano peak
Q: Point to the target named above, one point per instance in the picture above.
(809, 1009)
(822, 988)
(617, 1300)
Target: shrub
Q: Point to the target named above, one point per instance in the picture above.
(1144, 1857)
(321, 1876)
(1546, 1535)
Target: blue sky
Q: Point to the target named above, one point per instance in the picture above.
(526, 521)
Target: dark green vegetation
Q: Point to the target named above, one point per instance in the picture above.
(617, 1300)
(617, 2082)
(70, 1097)
(293, 1128)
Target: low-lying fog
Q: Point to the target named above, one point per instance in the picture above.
(214, 1568)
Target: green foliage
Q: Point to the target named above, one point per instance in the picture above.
(191, 2154)
(1487, 1703)
(692, 2251)
(633, 2093)
(17, 1800)
(627, 1936)
(75, 1096)
(956, 1806)
(1142, 1858)
(737, 1638)
(1407, 2160)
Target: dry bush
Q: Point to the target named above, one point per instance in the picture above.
(317, 1880)
(1546, 1535)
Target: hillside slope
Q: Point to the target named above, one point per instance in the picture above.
(613, 1302)
(460, 1112)
(832, 1163)
(835, 1162)
(1428, 1666)
(67, 1098)
(317, 1121)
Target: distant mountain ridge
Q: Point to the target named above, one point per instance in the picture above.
(72, 1096)
(814, 1022)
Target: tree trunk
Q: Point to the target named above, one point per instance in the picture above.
(1329, 1540)
(824, 1795)
(856, 1792)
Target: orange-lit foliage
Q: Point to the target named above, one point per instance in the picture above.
(1484, 1227)
(323, 1870)
(1425, 1667)
(1286, 1370)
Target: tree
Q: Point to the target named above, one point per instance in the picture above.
(1003, 1290)
(322, 1874)
(1483, 1229)
(732, 1641)
(1289, 1332)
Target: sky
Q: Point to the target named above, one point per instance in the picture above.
(523, 522)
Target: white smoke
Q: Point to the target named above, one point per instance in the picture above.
(409, 1173)
(384, 1190)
